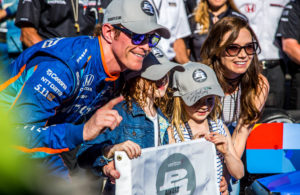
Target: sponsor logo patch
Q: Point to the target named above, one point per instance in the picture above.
(59, 2)
(199, 76)
(88, 80)
(50, 97)
(147, 8)
(250, 7)
(157, 52)
(114, 18)
(51, 42)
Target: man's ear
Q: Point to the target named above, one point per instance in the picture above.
(108, 32)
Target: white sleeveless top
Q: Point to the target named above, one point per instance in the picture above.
(231, 107)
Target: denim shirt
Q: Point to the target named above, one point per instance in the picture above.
(135, 126)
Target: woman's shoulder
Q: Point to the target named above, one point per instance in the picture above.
(263, 91)
(263, 80)
(263, 84)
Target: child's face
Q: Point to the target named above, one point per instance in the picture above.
(162, 85)
(201, 109)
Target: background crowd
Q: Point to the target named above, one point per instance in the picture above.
(253, 47)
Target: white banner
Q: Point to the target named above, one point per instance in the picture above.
(183, 168)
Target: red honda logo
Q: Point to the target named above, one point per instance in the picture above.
(250, 7)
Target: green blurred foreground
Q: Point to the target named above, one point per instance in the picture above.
(16, 174)
(20, 175)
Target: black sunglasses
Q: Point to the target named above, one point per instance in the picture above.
(250, 49)
(137, 39)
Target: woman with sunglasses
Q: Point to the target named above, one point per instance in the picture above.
(143, 123)
(205, 15)
(231, 50)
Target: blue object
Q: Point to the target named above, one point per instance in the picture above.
(286, 183)
(291, 136)
(272, 161)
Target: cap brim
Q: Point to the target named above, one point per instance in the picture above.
(192, 97)
(156, 72)
(144, 28)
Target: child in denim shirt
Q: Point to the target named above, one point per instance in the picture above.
(144, 124)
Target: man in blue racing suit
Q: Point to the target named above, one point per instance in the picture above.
(60, 91)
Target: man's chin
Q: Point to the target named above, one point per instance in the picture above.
(130, 67)
(136, 67)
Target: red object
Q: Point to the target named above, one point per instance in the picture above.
(266, 136)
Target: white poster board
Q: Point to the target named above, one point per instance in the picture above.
(182, 168)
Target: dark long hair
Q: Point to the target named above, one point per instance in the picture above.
(250, 82)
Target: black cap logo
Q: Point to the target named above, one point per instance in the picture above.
(199, 75)
(157, 52)
(147, 8)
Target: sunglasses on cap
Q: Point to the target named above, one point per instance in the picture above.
(137, 39)
(234, 49)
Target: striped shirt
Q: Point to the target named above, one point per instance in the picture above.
(213, 127)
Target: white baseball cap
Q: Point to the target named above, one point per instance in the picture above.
(137, 16)
(198, 80)
(155, 66)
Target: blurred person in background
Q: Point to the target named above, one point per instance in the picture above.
(172, 14)
(190, 6)
(10, 44)
(205, 15)
(288, 36)
(263, 16)
(42, 19)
